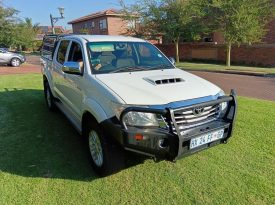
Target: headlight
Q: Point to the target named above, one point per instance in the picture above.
(140, 119)
(135, 118)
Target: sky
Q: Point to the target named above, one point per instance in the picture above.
(40, 10)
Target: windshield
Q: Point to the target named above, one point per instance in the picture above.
(112, 57)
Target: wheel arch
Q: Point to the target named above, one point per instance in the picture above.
(92, 111)
(45, 79)
(13, 57)
(86, 117)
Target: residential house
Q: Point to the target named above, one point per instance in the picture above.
(108, 22)
(44, 30)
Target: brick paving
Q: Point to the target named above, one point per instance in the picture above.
(249, 86)
(23, 69)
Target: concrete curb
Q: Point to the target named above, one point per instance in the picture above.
(232, 72)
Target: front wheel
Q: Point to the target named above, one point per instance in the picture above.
(106, 157)
(15, 62)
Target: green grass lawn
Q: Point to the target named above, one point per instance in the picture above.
(218, 67)
(43, 160)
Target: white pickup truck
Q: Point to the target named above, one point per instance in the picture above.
(122, 93)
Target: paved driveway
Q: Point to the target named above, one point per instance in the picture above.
(249, 86)
(32, 65)
(23, 69)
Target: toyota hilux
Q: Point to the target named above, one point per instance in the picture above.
(123, 93)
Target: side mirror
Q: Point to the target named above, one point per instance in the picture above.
(172, 60)
(71, 68)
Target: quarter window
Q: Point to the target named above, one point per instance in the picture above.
(62, 50)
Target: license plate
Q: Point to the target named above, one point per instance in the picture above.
(205, 139)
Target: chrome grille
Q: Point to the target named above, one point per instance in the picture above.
(185, 119)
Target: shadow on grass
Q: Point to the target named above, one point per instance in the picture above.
(37, 143)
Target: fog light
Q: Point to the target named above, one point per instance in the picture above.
(139, 137)
(163, 143)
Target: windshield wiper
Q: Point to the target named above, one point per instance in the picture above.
(140, 68)
(129, 68)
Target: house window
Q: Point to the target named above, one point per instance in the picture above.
(92, 24)
(103, 24)
(85, 26)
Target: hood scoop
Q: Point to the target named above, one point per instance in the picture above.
(162, 80)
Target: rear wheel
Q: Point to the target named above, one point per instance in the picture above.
(15, 62)
(49, 97)
(106, 157)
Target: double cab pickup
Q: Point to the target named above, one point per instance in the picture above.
(123, 94)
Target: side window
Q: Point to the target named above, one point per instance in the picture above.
(61, 53)
(75, 53)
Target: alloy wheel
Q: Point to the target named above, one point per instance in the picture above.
(95, 148)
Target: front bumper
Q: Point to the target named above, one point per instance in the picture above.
(173, 143)
(23, 59)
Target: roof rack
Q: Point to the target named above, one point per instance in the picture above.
(58, 36)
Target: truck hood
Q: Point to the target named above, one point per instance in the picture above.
(157, 87)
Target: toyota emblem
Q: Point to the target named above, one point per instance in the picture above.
(198, 111)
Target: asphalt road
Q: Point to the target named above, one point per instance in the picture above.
(249, 86)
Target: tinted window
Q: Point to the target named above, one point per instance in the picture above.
(61, 54)
(75, 53)
(48, 47)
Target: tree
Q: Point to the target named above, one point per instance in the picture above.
(25, 33)
(174, 19)
(15, 32)
(241, 21)
(7, 20)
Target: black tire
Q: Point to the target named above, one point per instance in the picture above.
(15, 62)
(112, 154)
(49, 97)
